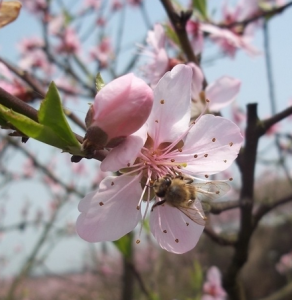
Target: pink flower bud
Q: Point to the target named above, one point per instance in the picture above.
(119, 109)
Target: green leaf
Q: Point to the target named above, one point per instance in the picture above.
(201, 7)
(124, 245)
(99, 83)
(32, 129)
(170, 33)
(51, 115)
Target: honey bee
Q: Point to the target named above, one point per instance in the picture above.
(182, 193)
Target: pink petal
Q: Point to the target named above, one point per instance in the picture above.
(211, 146)
(170, 114)
(197, 82)
(125, 154)
(222, 92)
(110, 212)
(169, 227)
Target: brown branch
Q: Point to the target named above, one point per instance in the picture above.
(43, 168)
(179, 24)
(282, 293)
(265, 125)
(37, 87)
(248, 161)
(219, 207)
(222, 241)
(266, 208)
(261, 15)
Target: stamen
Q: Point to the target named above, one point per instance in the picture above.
(138, 241)
(213, 140)
(176, 240)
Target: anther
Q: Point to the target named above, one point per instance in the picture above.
(156, 121)
(128, 164)
(206, 155)
(187, 224)
(230, 179)
(207, 176)
(225, 161)
(207, 100)
(112, 183)
(138, 207)
(179, 167)
(176, 240)
(165, 231)
(180, 149)
(162, 101)
(172, 160)
(101, 203)
(213, 140)
(195, 156)
(138, 241)
(217, 192)
(230, 144)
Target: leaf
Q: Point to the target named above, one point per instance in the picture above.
(170, 33)
(124, 245)
(31, 128)
(51, 115)
(9, 11)
(201, 7)
(99, 83)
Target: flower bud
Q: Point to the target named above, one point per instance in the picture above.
(119, 109)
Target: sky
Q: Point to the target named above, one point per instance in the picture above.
(250, 70)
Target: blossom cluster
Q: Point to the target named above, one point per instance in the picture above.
(166, 144)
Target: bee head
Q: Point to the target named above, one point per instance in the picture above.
(161, 185)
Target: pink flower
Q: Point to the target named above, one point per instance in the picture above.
(36, 59)
(116, 5)
(36, 6)
(285, 264)
(166, 144)
(220, 93)
(197, 39)
(229, 41)
(212, 287)
(69, 42)
(108, 119)
(159, 64)
(102, 52)
(30, 44)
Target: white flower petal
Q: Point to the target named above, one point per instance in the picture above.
(173, 230)
(171, 108)
(111, 212)
(222, 92)
(125, 154)
(211, 145)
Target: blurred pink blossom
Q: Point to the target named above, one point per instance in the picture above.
(158, 63)
(197, 39)
(116, 5)
(35, 6)
(28, 168)
(285, 264)
(103, 52)
(36, 59)
(56, 24)
(30, 44)
(212, 288)
(69, 42)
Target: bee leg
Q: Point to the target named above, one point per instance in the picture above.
(157, 204)
(190, 202)
(188, 180)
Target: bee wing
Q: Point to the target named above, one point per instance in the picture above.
(194, 212)
(211, 190)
